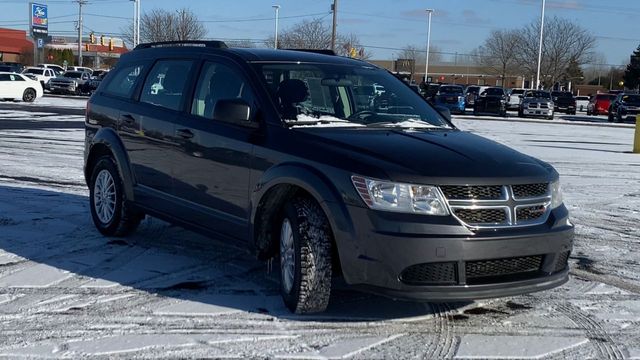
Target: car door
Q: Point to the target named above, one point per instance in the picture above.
(5, 86)
(147, 129)
(17, 86)
(212, 175)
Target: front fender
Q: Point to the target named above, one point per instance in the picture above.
(108, 137)
(316, 183)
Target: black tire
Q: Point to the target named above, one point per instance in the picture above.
(520, 113)
(312, 239)
(125, 219)
(610, 117)
(29, 95)
(618, 118)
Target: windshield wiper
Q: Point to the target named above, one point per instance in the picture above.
(407, 124)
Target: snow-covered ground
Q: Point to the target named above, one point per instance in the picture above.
(68, 292)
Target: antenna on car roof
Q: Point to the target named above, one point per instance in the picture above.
(316, 51)
(216, 44)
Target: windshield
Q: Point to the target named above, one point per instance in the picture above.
(517, 92)
(605, 97)
(35, 71)
(561, 94)
(538, 94)
(74, 75)
(450, 90)
(493, 92)
(631, 99)
(331, 95)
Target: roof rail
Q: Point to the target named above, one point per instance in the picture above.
(201, 43)
(316, 51)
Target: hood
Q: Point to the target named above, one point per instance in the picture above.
(432, 156)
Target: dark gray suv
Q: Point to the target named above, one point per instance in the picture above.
(275, 149)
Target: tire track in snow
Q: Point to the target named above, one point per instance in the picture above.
(606, 347)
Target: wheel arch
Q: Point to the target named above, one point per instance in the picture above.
(107, 142)
(276, 187)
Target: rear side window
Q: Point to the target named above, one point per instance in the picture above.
(124, 81)
(166, 83)
(218, 82)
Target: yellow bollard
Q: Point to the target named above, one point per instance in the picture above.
(636, 139)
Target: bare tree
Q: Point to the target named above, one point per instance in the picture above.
(419, 54)
(308, 34)
(315, 34)
(498, 52)
(164, 25)
(345, 44)
(241, 43)
(563, 41)
(596, 69)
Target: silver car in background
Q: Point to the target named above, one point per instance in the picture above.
(536, 103)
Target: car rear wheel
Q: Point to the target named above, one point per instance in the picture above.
(29, 95)
(305, 257)
(110, 214)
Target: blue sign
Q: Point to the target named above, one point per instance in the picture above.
(40, 42)
(39, 19)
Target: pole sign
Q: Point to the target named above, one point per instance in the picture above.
(39, 20)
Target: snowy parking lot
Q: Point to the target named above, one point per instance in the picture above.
(68, 292)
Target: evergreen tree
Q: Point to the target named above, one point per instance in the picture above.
(632, 74)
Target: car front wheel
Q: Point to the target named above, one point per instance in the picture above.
(110, 214)
(305, 257)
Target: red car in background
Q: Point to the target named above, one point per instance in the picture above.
(599, 104)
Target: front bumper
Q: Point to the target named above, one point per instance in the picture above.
(537, 112)
(62, 87)
(385, 245)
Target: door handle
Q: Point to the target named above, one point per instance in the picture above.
(184, 133)
(128, 119)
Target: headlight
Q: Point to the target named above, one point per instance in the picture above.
(406, 198)
(556, 194)
(460, 98)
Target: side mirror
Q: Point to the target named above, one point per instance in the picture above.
(234, 111)
(444, 111)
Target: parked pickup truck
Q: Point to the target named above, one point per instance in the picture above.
(71, 82)
(564, 101)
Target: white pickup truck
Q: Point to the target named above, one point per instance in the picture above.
(43, 75)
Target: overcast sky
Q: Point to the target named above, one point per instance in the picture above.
(383, 27)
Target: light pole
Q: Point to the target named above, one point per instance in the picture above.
(135, 22)
(275, 38)
(540, 46)
(426, 63)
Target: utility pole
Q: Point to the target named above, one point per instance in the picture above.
(135, 23)
(426, 63)
(540, 47)
(80, 3)
(275, 38)
(138, 22)
(334, 9)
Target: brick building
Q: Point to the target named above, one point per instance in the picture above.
(13, 44)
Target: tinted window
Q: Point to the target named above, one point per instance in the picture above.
(218, 82)
(4, 77)
(517, 92)
(15, 77)
(631, 99)
(450, 90)
(72, 74)
(538, 94)
(493, 92)
(166, 83)
(35, 71)
(124, 80)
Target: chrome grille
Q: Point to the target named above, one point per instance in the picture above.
(491, 206)
(530, 212)
(482, 216)
(453, 192)
(530, 190)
